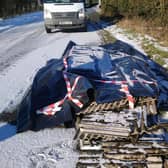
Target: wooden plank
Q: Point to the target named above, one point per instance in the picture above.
(165, 163)
(105, 132)
(126, 157)
(103, 127)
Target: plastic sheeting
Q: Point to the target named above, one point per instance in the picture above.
(102, 70)
(49, 87)
(107, 69)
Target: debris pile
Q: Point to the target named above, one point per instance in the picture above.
(121, 139)
(117, 98)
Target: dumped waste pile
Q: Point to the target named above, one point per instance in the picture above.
(107, 138)
(115, 96)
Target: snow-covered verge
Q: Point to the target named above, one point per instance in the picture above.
(24, 19)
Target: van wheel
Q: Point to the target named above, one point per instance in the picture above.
(48, 30)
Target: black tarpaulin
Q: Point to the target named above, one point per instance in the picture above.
(102, 65)
(101, 71)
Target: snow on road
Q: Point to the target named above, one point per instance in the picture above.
(24, 48)
(46, 148)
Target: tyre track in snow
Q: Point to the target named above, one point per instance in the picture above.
(18, 45)
(20, 41)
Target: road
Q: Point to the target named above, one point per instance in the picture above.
(24, 48)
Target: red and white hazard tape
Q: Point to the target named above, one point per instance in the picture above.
(70, 90)
(124, 82)
(51, 109)
(131, 101)
(55, 107)
(124, 88)
(65, 63)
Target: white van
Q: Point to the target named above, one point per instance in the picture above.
(64, 14)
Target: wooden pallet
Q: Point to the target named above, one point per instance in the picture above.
(108, 139)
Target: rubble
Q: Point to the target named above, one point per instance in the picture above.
(121, 139)
(116, 97)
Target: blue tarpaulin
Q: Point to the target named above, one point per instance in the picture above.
(102, 70)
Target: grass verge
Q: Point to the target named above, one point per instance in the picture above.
(133, 28)
(153, 52)
(146, 27)
(107, 37)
